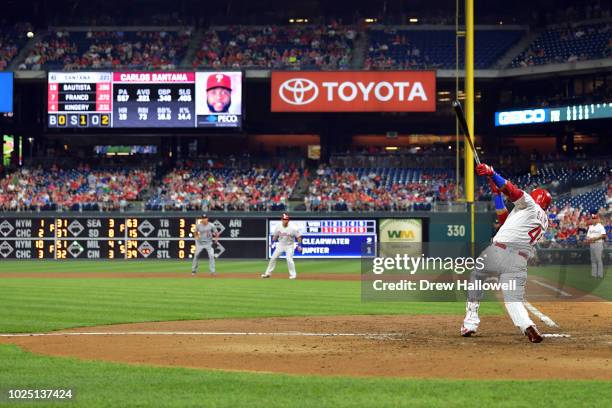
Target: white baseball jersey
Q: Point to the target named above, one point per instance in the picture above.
(286, 235)
(596, 231)
(525, 224)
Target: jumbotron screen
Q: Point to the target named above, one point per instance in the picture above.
(144, 100)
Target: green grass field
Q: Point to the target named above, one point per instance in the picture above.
(575, 276)
(29, 304)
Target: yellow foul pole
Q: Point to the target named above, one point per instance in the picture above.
(469, 110)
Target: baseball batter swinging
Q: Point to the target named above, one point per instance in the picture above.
(205, 234)
(285, 236)
(512, 246)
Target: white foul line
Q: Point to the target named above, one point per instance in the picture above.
(184, 333)
(547, 320)
(388, 336)
(551, 287)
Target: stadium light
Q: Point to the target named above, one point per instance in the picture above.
(370, 20)
(413, 20)
(30, 34)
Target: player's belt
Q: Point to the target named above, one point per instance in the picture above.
(504, 246)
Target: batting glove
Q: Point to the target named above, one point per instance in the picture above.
(484, 170)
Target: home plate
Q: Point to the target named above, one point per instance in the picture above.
(556, 335)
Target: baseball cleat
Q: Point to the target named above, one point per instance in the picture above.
(533, 334)
(193, 273)
(265, 275)
(293, 277)
(465, 332)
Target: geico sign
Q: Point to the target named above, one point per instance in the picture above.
(522, 117)
(353, 91)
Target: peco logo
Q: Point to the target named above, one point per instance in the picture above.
(353, 91)
(298, 91)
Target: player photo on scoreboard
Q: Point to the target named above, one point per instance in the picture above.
(219, 99)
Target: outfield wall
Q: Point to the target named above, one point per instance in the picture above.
(168, 235)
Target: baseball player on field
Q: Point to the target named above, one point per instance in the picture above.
(285, 236)
(506, 257)
(596, 236)
(205, 234)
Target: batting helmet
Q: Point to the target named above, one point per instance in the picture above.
(541, 197)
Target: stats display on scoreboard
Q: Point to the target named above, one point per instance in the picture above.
(125, 238)
(588, 111)
(331, 238)
(144, 100)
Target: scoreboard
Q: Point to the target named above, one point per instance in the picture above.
(339, 238)
(79, 99)
(144, 99)
(125, 237)
(160, 236)
(587, 111)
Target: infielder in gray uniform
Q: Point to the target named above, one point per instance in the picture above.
(205, 234)
(596, 236)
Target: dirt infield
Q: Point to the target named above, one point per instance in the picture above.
(391, 346)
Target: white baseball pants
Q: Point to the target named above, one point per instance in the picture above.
(278, 251)
(506, 265)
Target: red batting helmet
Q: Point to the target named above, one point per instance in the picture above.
(218, 81)
(285, 217)
(541, 197)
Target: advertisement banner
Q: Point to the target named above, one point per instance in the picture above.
(358, 91)
(394, 233)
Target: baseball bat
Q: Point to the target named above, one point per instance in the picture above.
(462, 122)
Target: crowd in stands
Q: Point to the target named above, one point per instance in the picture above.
(570, 43)
(403, 157)
(289, 47)
(588, 10)
(568, 226)
(231, 186)
(392, 48)
(12, 38)
(569, 218)
(224, 189)
(324, 46)
(74, 50)
(342, 189)
(82, 188)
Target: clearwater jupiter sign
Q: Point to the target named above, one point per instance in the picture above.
(348, 91)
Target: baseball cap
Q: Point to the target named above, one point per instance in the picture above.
(204, 216)
(285, 216)
(218, 81)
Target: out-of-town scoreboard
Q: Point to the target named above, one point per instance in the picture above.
(124, 238)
